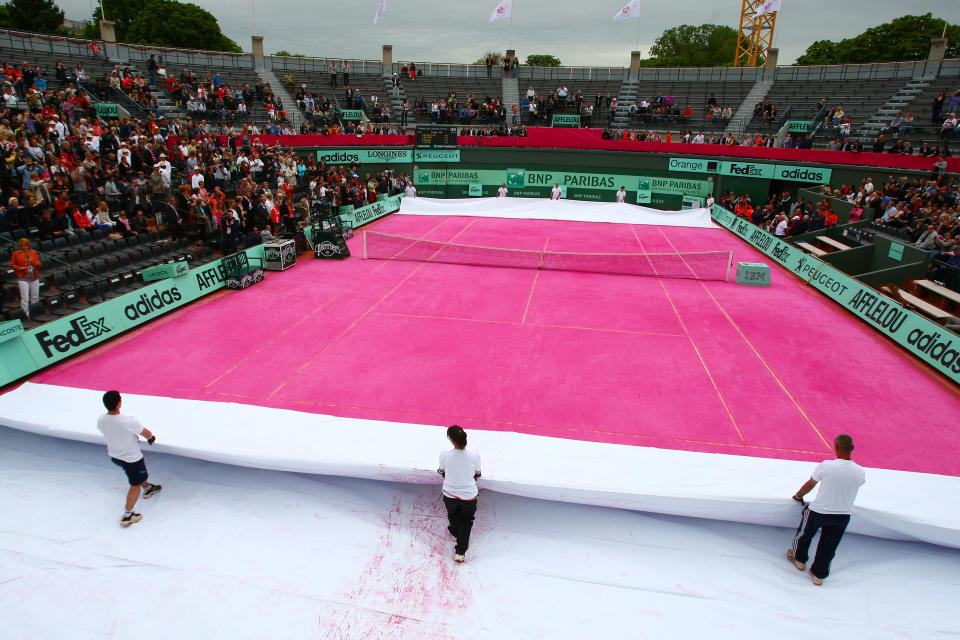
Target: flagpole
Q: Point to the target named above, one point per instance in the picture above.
(253, 12)
(511, 27)
(773, 32)
(639, 24)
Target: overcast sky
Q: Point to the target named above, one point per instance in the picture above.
(579, 33)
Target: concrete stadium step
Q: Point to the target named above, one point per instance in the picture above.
(294, 116)
(758, 92)
(510, 92)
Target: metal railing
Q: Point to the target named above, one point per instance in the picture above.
(62, 45)
(698, 74)
(871, 71)
(321, 65)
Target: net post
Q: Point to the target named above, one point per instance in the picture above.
(364, 234)
(726, 278)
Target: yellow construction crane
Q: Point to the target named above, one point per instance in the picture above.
(755, 36)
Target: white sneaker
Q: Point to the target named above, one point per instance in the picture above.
(126, 521)
(458, 557)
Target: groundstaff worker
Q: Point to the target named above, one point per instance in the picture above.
(460, 469)
(123, 446)
(26, 265)
(840, 480)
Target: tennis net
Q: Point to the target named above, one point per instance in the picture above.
(700, 265)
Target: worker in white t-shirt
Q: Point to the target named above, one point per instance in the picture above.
(122, 434)
(502, 191)
(460, 469)
(622, 195)
(840, 480)
(556, 192)
(710, 201)
(410, 191)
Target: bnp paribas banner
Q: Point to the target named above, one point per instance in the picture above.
(928, 341)
(584, 186)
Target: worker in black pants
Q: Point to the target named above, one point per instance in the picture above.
(829, 513)
(460, 469)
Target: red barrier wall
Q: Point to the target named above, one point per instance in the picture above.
(545, 137)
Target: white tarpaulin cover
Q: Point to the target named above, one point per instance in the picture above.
(230, 552)
(570, 210)
(892, 504)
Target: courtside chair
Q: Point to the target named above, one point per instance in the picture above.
(92, 294)
(72, 302)
(38, 313)
(56, 306)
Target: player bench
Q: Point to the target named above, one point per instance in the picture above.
(924, 307)
(836, 244)
(812, 250)
(952, 297)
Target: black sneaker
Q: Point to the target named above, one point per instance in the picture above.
(129, 519)
(151, 491)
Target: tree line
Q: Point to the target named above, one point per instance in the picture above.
(165, 23)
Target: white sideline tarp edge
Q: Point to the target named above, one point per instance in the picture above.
(566, 210)
(897, 505)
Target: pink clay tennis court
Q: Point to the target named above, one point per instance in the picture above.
(657, 362)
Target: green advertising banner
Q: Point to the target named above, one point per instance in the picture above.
(799, 126)
(565, 120)
(10, 330)
(895, 251)
(475, 190)
(436, 155)
(644, 191)
(521, 178)
(694, 165)
(369, 213)
(164, 271)
(351, 114)
(365, 156)
(688, 202)
(515, 177)
(795, 173)
(745, 169)
(72, 334)
(105, 109)
(925, 339)
(679, 187)
(464, 177)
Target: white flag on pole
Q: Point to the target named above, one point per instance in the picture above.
(503, 10)
(769, 6)
(380, 9)
(632, 10)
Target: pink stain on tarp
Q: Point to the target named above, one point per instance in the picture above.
(411, 587)
(679, 364)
